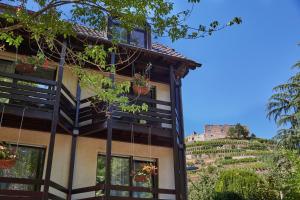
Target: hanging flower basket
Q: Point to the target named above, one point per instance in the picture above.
(7, 157)
(142, 178)
(25, 68)
(7, 164)
(144, 174)
(140, 90)
(141, 85)
(150, 169)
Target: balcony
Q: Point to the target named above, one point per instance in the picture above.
(35, 99)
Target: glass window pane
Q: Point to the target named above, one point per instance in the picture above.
(29, 165)
(137, 38)
(119, 33)
(120, 174)
(100, 174)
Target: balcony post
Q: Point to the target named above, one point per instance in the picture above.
(109, 141)
(74, 142)
(174, 135)
(181, 135)
(54, 121)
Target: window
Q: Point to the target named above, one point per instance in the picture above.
(137, 165)
(121, 175)
(137, 37)
(30, 164)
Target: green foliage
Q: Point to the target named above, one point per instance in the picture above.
(140, 80)
(283, 108)
(46, 22)
(204, 187)
(284, 174)
(245, 184)
(6, 152)
(238, 131)
(236, 161)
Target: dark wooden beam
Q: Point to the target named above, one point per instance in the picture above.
(74, 143)
(109, 141)
(181, 135)
(54, 122)
(174, 134)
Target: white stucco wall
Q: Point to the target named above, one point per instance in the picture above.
(86, 157)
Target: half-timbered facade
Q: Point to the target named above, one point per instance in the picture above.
(68, 150)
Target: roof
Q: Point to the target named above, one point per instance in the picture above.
(156, 47)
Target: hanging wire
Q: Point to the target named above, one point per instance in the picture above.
(132, 147)
(2, 114)
(149, 141)
(20, 130)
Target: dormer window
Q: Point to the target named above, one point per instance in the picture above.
(137, 37)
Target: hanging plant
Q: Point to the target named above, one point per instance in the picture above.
(141, 85)
(145, 173)
(32, 64)
(25, 68)
(7, 156)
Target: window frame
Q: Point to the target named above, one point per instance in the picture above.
(41, 162)
(132, 159)
(147, 36)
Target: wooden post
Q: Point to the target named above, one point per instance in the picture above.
(174, 134)
(74, 143)
(181, 134)
(54, 121)
(109, 141)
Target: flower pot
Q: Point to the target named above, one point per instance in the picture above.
(25, 68)
(141, 90)
(140, 178)
(7, 163)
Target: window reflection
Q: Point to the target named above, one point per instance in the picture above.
(29, 165)
(137, 38)
(120, 175)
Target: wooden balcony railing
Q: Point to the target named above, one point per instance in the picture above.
(86, 193)
(158, 115)
(37, 96)
(34, 94)
(60, 191)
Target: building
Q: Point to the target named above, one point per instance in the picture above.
(70, 151)
(195, 137)
(212, 132)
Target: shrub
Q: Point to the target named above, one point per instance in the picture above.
(245, 185)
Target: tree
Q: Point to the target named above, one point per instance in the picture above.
(55, 19)
(284, 174)
(238, 131)
(203, 188)
(283, 108)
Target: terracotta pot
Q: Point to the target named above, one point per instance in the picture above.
(140, 178)
(7, 164)
(25, 68)
(140, 90)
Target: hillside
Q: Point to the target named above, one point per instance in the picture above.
(228, 153)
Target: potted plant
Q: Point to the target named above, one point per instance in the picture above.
(7, 157)
(141, 85)
(25, 68)
(32, 63)
(144, 174)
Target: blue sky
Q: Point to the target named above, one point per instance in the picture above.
(241, 64)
